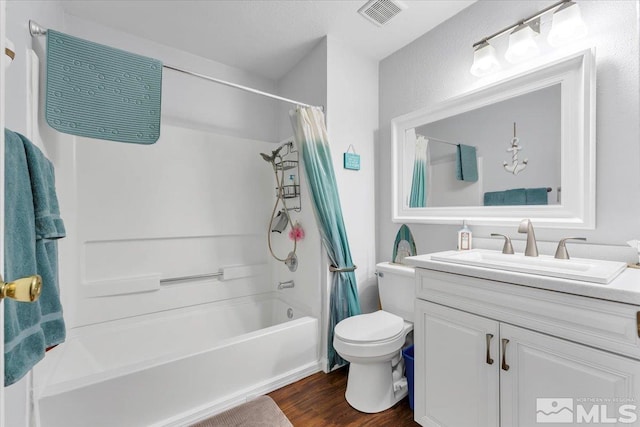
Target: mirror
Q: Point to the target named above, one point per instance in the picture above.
(519, 148)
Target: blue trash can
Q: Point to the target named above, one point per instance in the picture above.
(407, 353)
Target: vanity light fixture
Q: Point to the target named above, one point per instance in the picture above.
(522, 43)
(485, 60)
(567, 26)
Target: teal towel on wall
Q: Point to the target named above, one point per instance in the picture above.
(97, 91)
(32, 225)
(466, 163)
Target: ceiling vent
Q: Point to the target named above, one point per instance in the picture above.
(381, 11)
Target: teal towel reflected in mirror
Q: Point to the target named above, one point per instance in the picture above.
(32, 227)
(517, 196)
(537, 196)
(466, 163)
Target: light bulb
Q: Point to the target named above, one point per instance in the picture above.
(522, 44)
(485, 60)
(567, 25)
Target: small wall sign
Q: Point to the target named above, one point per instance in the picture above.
(351, 160)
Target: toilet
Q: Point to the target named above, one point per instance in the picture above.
(372, 342)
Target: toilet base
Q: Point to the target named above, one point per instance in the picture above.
(370, 387)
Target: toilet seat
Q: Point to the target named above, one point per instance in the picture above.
(376, 327)
(369, 338)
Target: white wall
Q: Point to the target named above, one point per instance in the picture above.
(343, 81)
(337, 77)
(352, 108)
(436, 66)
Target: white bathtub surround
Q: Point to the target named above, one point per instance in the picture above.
(190, 210)
(172, 368)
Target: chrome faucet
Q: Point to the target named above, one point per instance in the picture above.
(526, 227)
(561, 252)
(508, 247)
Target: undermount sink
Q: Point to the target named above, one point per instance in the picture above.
(587, 270)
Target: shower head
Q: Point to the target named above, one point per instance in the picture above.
(275, 152)
(271, 158)
(267, 157)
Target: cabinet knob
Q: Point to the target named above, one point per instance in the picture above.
(505, 367)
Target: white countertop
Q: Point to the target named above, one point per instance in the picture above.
(625, 288)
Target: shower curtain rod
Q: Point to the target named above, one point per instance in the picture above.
(36, 29)
(438, 140)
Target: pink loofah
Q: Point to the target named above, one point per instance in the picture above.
(297, 232)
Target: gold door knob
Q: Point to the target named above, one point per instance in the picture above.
(27, 289)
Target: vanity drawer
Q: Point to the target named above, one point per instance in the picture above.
(606, 325)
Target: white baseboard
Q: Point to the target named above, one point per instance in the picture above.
(203, 412)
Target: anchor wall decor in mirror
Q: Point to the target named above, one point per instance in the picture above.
(523, 147)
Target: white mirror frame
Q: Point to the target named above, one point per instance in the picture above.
(576, 75)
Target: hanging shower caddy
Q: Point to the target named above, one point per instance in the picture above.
(289, 166)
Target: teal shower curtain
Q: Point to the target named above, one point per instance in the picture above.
(418, 197)
(311, 136)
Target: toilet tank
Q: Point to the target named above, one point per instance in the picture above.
(396, 285)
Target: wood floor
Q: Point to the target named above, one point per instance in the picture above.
(319, 401)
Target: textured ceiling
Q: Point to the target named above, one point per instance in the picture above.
(266, 37)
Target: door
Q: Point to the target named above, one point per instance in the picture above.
(456, 371)
(549, 380)
(2, 92)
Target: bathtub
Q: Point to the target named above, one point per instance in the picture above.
(176, 367)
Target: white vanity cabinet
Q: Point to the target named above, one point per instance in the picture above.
(496, 354)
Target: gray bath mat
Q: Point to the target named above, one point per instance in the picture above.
(97, 91)
(259, 412)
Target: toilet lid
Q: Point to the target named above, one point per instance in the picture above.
(370, 327)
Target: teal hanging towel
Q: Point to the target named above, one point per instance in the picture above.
(97, 91)
(466, 163)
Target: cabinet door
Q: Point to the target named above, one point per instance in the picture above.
(456, 368)
(557, 382)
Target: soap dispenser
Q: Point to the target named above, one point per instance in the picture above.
(464, 237)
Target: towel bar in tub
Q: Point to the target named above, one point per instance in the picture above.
(153, 282)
